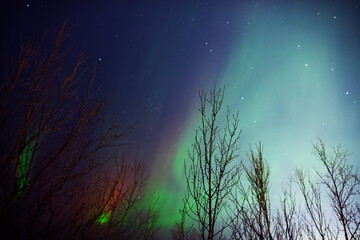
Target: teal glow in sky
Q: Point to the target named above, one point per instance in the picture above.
(283, 72)
(291, 68)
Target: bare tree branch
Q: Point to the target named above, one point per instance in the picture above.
(212, 173)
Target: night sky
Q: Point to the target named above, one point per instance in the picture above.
(291, 68)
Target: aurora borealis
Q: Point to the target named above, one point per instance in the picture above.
(291, 69)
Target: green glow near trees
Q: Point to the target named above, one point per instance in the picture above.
(24, 167)
(104, 218)
(284, 85)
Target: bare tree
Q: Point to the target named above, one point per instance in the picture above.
(309, 220)
(342, 183)
(253, 205)
(51, 144)
(109, 206)
(181, 231)
(288, 217)
(211, 173)
(316, 223)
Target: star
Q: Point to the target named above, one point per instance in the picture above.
(334, 17)
(347, 93)
(100, 59)
(306, 65)
(298, 45)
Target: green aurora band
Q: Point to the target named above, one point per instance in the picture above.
(104, 218)
(24, 167)
(282, 76)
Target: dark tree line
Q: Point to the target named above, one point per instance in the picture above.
(212, 173)
(55, 141)
(229, 198)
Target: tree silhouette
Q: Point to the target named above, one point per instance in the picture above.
(52, 139)
(316, 223)
(341, 182)
(254, 216)
(211, 173)
(288, 217)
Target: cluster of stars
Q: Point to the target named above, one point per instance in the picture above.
(318, 13)
(207, 44)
